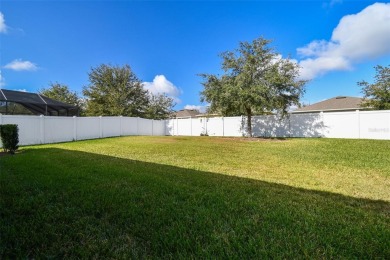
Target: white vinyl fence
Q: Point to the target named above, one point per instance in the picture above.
(53, 129)
(358, 124)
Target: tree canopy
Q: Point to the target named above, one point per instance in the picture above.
(116, 90)
(159, 107)
(255, 80)
(377, 95)
(61, 92)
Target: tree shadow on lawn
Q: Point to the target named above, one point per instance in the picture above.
(62, 203)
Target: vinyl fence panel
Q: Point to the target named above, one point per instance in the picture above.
(145, 126)
(29, 128)
(88, 128)
(184, 126)
(233, 126)
(129, 126)
(215, 126)
(306, 125)
(159, 127)
(341, 124)
(270, 126)
(58, 129)
(111, 126)
(374, 125)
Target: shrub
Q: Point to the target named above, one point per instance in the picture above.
(9, 137)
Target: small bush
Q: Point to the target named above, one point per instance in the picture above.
(9, 138)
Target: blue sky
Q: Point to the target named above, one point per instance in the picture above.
(167, 43)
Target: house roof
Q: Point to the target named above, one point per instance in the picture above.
(186, 113)
(340, 103)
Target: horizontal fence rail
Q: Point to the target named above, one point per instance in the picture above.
(50, 129)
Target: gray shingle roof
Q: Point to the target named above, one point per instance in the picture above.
(186, 113)
(340, 103)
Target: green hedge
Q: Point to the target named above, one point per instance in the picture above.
(9, 137)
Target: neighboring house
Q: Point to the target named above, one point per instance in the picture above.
(336, 104)
(24, 103)
(186, 113)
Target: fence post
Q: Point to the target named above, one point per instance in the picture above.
(323, 130)
(152, 127)
(223, 126)
(100, 127)
(358, 122)
(137, 125)
(177, 126)
(1, 119)
(42, 128)
(191, 125)
(206, 120)
(74, 128)
(242, 125)
(388, 137)
(120, 125)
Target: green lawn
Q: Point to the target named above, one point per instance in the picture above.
(197, 197)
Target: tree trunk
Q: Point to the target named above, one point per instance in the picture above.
(249, 121)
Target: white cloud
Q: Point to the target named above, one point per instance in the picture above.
(201, 109)
(3, 26)
(357, 37)
(20, 65)
(2, 80)
(161, 85)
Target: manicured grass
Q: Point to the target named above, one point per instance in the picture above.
(199, 197)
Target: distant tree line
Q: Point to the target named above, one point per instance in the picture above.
(113, 91)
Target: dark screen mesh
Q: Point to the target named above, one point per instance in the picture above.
(34, 103)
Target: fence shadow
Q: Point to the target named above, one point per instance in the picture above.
(307, 125)
(74, 204)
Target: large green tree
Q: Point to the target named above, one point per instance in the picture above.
(61, 92)
(159, 107)
(255, 80)
(115, 91)
(377, 95)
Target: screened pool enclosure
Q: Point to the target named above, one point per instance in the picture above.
(23, 103)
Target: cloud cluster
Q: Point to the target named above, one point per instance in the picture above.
(160, 85)
(356, 38)
(201, 109)
(20, 65)
(2, 81)
(3, 27)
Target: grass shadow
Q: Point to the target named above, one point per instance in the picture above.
(66, 204)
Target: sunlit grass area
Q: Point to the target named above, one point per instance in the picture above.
(203, 197)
